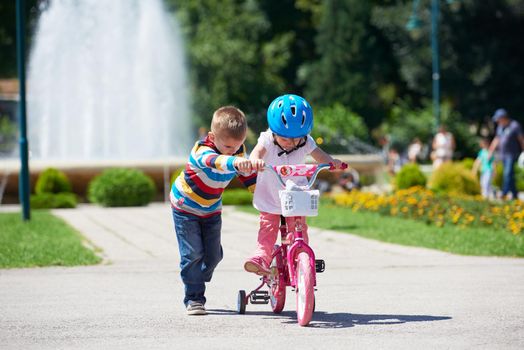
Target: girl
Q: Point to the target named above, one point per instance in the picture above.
(286, 142)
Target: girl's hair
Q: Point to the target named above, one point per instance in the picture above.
(229, 121)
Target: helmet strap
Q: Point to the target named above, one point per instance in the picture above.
(301, 144)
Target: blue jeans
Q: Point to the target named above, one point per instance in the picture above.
(200, 252)
(508, 176)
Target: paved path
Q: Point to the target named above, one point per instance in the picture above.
(372, 295)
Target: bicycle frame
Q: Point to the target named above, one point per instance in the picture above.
(298, 245)
(289, 267)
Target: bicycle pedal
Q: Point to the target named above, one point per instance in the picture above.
(320, 265)
(259, 297)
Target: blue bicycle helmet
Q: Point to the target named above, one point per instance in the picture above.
(290, 116)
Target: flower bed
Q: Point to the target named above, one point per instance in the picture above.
(421, 204)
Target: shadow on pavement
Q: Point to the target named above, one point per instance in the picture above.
(323, 319)
(343, 320)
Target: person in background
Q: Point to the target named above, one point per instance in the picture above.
(485, 162)
(510, 142)
(443, 146)
(414, 150)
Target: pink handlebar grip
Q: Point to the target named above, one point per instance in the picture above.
(342, 166)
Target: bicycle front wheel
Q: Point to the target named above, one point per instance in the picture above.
(305, 291)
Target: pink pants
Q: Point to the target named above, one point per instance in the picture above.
(269, 231)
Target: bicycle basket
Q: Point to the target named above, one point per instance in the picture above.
(299, 203)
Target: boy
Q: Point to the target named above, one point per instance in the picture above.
(196, 200)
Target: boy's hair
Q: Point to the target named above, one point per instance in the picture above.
(229, 121)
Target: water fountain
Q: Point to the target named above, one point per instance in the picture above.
(107, 86)
(106, 80)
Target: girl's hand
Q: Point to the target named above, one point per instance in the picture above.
(337, 163)
(242, 164)
(258, 164)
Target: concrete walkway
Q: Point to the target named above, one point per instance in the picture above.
(373, 295)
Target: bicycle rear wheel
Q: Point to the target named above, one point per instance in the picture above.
(277, 284)
(305, 291)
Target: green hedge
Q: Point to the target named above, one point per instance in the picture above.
(409, 176)
(454, 178)
(53, 200)
(121, 187)
(52, 180)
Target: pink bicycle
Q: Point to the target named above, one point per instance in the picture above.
(293, 262)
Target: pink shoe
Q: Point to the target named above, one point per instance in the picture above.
(256, 265)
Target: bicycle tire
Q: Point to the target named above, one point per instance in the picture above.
(305, 290)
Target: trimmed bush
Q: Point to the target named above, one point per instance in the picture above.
(121, 187)
(237, 196)
(468, 163)
(454, 178)
(409, 176)
(53, 200)
(52, 180)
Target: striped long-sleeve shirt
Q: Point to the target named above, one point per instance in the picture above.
(198, 189)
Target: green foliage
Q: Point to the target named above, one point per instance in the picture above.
(7, 135)
(176, 174)
(367, 179)
(229, 51)
(45, 240)
(406, 122)
(53, 200)
(340, 120)
(468, 163)
(121, 187)
(354, 60)
(410, 175)
(237, 196)
(454, 178)
(52, 180)
(470, 53)
(497, 177)
(335, 125)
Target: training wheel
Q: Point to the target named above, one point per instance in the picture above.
(241, 302)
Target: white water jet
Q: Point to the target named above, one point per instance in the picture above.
(107, 80)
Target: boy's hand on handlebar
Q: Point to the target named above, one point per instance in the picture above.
(258, 164)
(242, 164)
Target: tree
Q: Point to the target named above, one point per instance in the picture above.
(480, 53)
(8, 67)
(354, 64)
(230, 62)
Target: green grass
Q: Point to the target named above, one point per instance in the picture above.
(43, 241)
(452, 239)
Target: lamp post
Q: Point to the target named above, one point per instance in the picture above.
(415, 23)
(23, 177)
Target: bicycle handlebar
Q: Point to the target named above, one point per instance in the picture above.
(308, 170)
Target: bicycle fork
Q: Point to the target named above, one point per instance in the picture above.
(297, 247)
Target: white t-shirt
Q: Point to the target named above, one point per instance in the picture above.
(266, 192)
(443, 145)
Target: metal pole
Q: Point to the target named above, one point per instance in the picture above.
(435, 4)
(23, 177)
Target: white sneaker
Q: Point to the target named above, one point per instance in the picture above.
(196, 308)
